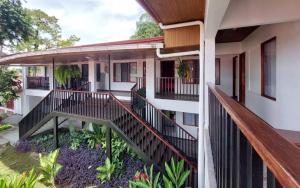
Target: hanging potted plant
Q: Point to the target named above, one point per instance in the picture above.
(64, 73)
(183, 70)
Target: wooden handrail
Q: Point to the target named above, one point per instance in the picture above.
(281, 156)
(154, 133)
(164, 115)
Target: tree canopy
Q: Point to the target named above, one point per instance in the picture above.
(146, 28)
(46, 33)
(7, 82)
(14, 24)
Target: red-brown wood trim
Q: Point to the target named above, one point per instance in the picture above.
(281, 156)
(262, 82)
(234, 62)
(242, 78)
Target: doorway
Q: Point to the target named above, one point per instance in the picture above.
(85, 72)
(234, 63)
(242, 78)
(167, 73)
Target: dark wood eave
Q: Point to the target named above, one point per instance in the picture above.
(174, 11)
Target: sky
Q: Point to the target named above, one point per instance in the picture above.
(93, 21)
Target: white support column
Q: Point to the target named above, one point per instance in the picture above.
(210, 56)
(92, 74)
(150, 78)
(201, 170)
(50, 74)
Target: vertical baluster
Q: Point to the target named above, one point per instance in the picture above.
(257, 170)
(243, 160)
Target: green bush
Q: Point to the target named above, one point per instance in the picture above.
(145, 179)
(106, 171)
(49, 168)
(175, 177)
(4, 127)
(25, 180)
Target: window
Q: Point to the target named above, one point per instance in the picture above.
(125, 72)
(194, 70)
(85, 72)
(218, 71)
(98, 72)
(190, 119)
(268, 69)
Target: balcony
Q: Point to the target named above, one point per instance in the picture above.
(79, 84)
(246, 151)
(38, 83)
(177, 88)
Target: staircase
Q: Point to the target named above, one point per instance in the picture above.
(142, 124)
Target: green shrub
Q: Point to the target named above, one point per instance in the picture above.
(25, 180)
(145, 179)
(175, 177)
(106, 171)
(49, 168)
(4, 127)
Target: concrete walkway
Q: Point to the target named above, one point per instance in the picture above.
(11, 135)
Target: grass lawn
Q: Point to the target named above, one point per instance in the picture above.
(4, 127)
(14, 163)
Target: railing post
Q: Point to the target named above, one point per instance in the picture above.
(108, 143)
(55, 132)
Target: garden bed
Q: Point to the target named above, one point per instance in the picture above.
(80, 156)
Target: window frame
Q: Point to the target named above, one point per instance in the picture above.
(196, 121)
(129, 72)
(263, 62)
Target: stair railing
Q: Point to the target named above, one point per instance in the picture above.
(167, 127)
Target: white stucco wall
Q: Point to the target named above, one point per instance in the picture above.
(260, 12)
(282, 113)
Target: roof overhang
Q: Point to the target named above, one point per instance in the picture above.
(82, 53)
(180, 21)
(174, 11)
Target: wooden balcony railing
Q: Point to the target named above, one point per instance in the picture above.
(177, 88)
(247, 152)
(38, 83)
(78, 84)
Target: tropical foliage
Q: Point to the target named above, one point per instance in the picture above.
(14, 24)
(46, 33)
(175, 176)
(146, 28)
(106, 171)
(49, 168)
(7, 83)
(145, 179)
(183, 70)
(25, 180)
(64, 73)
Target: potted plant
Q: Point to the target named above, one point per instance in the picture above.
(183, 70)
(64, 73)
